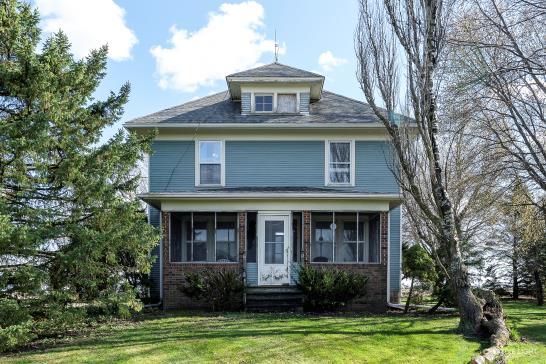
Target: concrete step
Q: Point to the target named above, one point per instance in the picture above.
(274, 299)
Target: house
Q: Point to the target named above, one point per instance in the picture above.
(272, 174)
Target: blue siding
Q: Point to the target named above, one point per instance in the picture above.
(294, 273)
(394, 250)
(153, 216)
(274, 163)
(304, 102)
(245, 102)
(269, 163)
(174, 160)
(252, 274)
(373, 167)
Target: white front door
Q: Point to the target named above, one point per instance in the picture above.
(273, 249)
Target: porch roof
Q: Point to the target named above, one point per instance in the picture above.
(263, 193)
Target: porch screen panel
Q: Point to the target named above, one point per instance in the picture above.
(251, 237)
(346, 237)
(322, 237)
(374, 239)
(179, 225)
(203, 237)
(226, 237)
(368, 238)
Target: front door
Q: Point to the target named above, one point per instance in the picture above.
(273, 249)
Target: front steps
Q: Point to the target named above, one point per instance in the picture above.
(273, 299)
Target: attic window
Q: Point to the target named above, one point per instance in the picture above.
(286, 103)
(263, 103)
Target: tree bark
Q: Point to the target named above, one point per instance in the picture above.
(538, 288)
(406, 309)
(470, 309)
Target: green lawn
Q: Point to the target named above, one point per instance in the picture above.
(292, 338)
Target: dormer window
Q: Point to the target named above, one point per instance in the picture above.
(286, 103)
(263, 102)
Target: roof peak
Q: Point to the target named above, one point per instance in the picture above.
(275, 69)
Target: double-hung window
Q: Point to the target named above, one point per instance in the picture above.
(340, 163)
(263, 103)
(210, 163)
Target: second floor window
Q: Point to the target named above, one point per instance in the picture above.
(210, 163)
(263, 103)
(340, 157)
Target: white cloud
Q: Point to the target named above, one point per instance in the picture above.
(89, 24)
(231, 41)
(327, 61)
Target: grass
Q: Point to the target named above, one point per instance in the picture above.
(239, 337)
(529, 321)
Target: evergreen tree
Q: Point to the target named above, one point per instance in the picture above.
(70, 225)
(418, 264)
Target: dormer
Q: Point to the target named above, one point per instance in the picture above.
(275, 88)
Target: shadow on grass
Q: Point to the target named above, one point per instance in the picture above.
(200, 327)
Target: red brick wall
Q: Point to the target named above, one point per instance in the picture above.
(376, 296)
(174, 273)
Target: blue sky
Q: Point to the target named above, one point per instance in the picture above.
(174, 51)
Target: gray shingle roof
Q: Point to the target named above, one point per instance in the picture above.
(275, 69)
(219, 109)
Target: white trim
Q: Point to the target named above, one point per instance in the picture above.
(262, 217)
(354, 125)
(274, 135)
(266, 195)
(327, 181)
(161, 253)
(388, 253)
(198, 163)
(273, 102)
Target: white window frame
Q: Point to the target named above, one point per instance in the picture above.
(327, 181)
(198, 163)
(273, 102)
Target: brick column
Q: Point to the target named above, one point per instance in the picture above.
(306, 237)
(241, 217)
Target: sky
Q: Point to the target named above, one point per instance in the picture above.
(172, 51)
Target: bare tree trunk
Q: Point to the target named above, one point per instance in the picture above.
(406, 309)
(436, 306)
(470, 310)
(417, 30)
(538, 288)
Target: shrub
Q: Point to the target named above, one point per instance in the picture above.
(15, 325)
(16, 335)
(330, 289)
(222, 288)
(11, 313)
